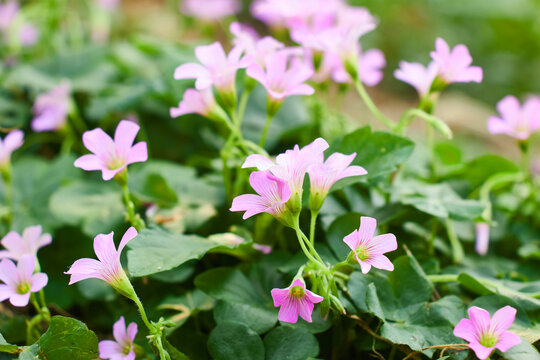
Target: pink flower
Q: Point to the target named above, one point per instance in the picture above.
(368, 249)
(277, 13)
(273, 194)
(255, 48)
(292, 165)
(370, 65)
(29, 243)
(265, 249)
(482, 238)
(295, 300)
(195, 102)
(325, 174)
(51, 108)
(516, 120)
(485, 334)
(13, 140)
(122, 348)
(218, 68)
(417, 75)
(28, 35)
(210, 9)
(20, 281)
(108, 267)
(8, 11)
(112, 156)
(454, 66)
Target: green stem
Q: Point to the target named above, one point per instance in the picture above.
(134, 219)
(269, 118)
(524, 146)
(243, 104)
(312, 225)
(499, 179)
(8, 182)
(409, 115)
(457, 248)
(151, 327)
(371, 105)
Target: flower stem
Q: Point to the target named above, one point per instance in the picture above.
(134, 219)
(457, 248)
(371, 105)
(269, 118)
(6, 171)
(313, 222)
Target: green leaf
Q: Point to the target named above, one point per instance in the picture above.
(341, 227)
(7, 347)
(30, 353)
(522, 351)
(378, 152)
(155, 250)
(230, 285)
(234, 341)
(288, 343)
(478, 170)
(259, 318)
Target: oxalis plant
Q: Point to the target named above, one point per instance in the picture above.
(263, 223)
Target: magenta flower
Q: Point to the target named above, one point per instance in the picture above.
(195, 102)
(273, 194)
(324, 174)
(8, 11)
(112, 156)
(295, 300)
(516, 120)
(13, 140)
(280, 80)
(292, 165)
(108, 267)
(417, 75)
(370, 65)
(482, 238)
(455, 65)
(28, 34)
(210, 10)
(29, 243)
(368, 249)
(485, 334)
(20, 281)
(218, 68)
(122, 348)
(265, 249)
(51, 108)
(255, 48)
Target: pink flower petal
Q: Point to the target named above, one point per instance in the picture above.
(364, 266)
(119, 331)
(138, 153)
(26, 266)
(38, 282)
(190, 71)
(129, 235)
(132, 331)
(250, 203)
(305, 309)
(503, 319)
(13, 140)
(98, 142)
(383, 243)
(352, 240)
(5, 292)
(367, 229)
(85, 269)
(465, 330)
(109, 349)
(89, 162)
(289, 311)
(258, 161)
(480, 319)
(481, 351)
(381, 262)
(9, 273)
(124, 135)
(19, 300)
(104, 248)
(280, 296)
(507, 340)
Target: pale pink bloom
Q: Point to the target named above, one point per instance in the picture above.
(29, 243)
(280, 78)
(218, 68)
(295, 300)
(51, 108)
(8, 11)
(455, 65)
(107, 267)
(195, 102)
(255, 48)
(13, 140)
(122, 347)
(112, 156)
(482, 238)
(485, 334)
(108, 5)
(370, 65)
(20, 281)
(516, 120)
(273, 194)
(325, 174)
(210, 9)
(417, 75)
(277, 13)
(292, 165)
(28, 35)
(265, 249)
(368, 249)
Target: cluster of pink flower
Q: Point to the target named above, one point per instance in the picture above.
(26, 33)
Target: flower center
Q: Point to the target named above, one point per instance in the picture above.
(297, 292)
(115, 162)
(126, 349)
(23, 288)
(362, 253)
(488, 340)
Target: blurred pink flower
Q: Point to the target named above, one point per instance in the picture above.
(368, 249)
(108, 5)
(486, 334)
(417, 75)
(292, 165)
(51, 108)
(122, 347)
(455, 65)
(8, 11)
(13, 140)
(482, 238)
(29, 243)
(255, 48)
(195, 102)
(218, 68)
(516, 120)
(295, 300)
(112, 156)
(273, 194)
(281, 77)
(210, 9)
(20, 281)
(370, 65)
(108, 267)
(265, 249)
(28, 35)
